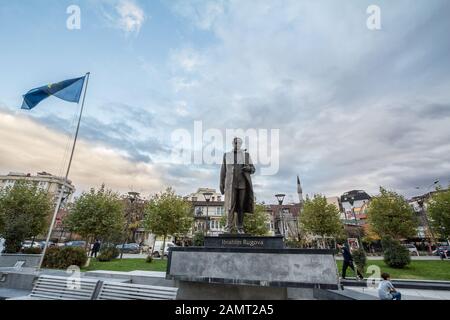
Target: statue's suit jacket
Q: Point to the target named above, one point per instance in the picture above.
(226, 180)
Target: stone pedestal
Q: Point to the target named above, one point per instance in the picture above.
(223, 270)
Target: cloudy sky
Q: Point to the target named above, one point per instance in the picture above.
(355, 108)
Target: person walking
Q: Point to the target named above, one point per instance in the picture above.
(95, 248)
(386, 290)
(348, 261)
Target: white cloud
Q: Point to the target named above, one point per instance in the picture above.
(131, 16)
(125, 15)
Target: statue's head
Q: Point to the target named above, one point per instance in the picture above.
(237, 143)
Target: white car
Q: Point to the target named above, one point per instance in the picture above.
(159, 248)
(412, 249)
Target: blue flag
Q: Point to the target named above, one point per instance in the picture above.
(68, 90)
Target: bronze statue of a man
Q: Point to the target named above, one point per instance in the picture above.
(236, 185)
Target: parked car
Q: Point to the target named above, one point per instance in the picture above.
(133, 248)
(441, 249)
(50, 244)
(75, 244)
(159, 248)
(2, 245)
(412, 249)
(27, 244)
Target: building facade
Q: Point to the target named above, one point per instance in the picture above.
(44, 181)
(284, 219)
(354, 206)
(208, 215)
(420, 204)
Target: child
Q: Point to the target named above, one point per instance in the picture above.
(386, 290)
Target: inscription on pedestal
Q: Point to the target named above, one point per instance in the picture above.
(244, 241)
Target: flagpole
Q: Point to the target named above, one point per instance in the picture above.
(61, 193)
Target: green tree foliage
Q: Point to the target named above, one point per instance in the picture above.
(168, 214)
(390, 215)
(134, 213)
(395, 255)
(359, 256)
(255, 224)
(25, 210)
(320, 218)
(199, 239)
(97, 214)
(439, 212)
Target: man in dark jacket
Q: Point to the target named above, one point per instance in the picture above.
(348, 261)
(95, 248)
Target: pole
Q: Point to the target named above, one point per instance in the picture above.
(207, 218)
(61, 193)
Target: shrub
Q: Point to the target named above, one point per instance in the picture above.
(62, 258)
(360, 259)
(199, 239)
(395, 255)
(32, 251)
(293, 244)
(149, 259)
(108, 253)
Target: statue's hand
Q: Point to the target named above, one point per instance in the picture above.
(247, 168)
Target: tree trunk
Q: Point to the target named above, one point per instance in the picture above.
(163, 247)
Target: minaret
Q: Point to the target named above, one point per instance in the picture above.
(299, 191)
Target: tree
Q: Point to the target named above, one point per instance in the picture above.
(168, 214)
(24, 213)
(390, 215)
(320, 218)
(255, 224)
(97, 214)
(439, 212)
(134, 213)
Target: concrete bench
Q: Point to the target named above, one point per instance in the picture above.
(127, 291)
(62, 288)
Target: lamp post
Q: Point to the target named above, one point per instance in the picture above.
(207, 196)
(425, 216)
(132, 196)
(280, 197)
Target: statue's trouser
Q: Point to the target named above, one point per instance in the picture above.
(238, 207)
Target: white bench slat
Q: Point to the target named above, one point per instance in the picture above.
(139, 289)
(153, 294)
(119, 284)
(65, 292)
(57, 297)
(58, 288)
(46, 286)
(125, 291)
(123, 297)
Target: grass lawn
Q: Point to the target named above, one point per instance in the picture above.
(127, 265)
(423, 270)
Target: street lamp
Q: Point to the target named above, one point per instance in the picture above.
(132, 196)
(207, 196)
(280, 197)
